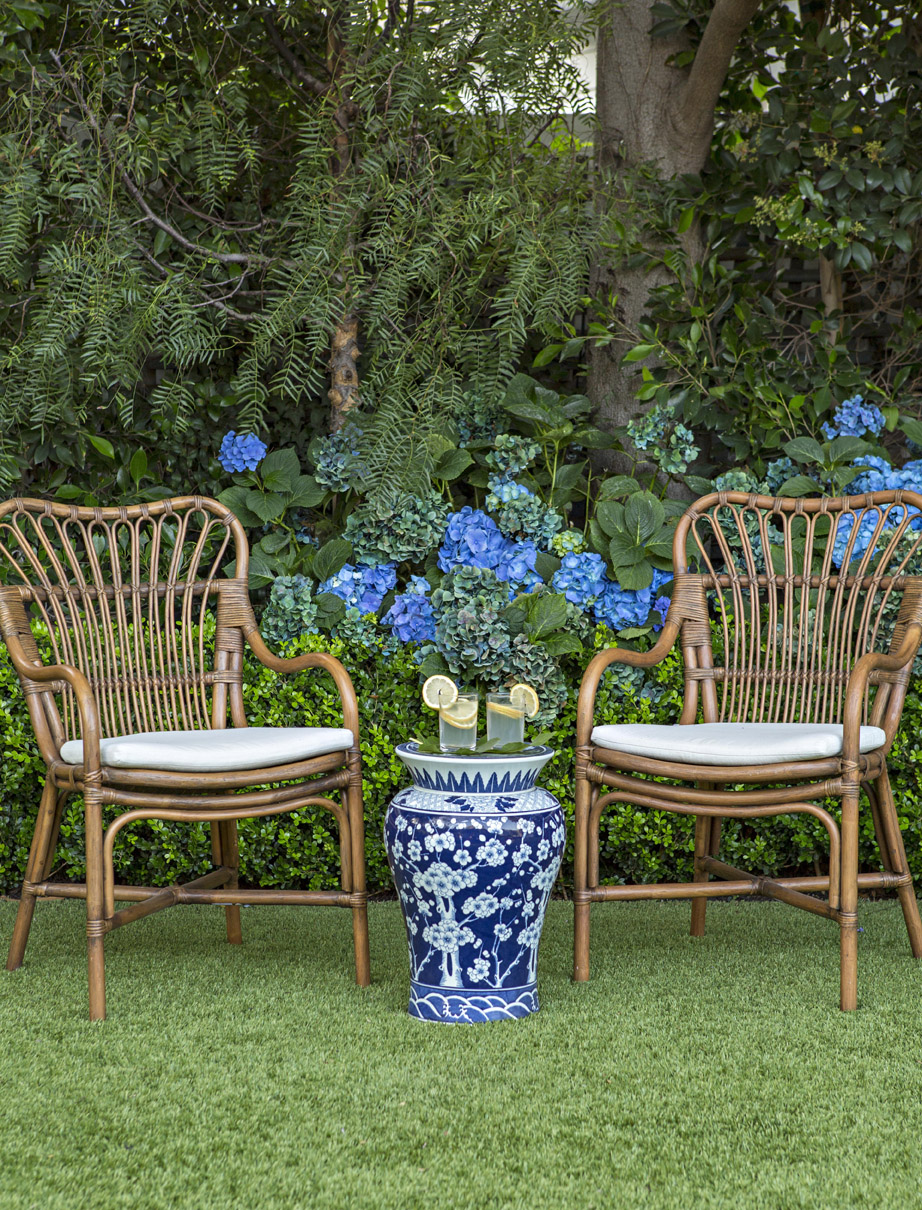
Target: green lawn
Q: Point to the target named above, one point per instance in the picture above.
(686, 1073)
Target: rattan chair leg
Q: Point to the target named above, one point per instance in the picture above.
(890, 826)
(95, 905)
(581, 902)
(702, 850)
(848, 912)
(35, 872)
(356, 816)
(60, 803)
(230, 857)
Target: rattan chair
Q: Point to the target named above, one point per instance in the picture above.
(144, 707)
(797, 702)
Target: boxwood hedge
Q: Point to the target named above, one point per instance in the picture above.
(301, 849)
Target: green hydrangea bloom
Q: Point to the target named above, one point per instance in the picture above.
(290, 610)
(406, 529)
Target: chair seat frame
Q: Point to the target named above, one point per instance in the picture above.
(605, 776)
(213, 797)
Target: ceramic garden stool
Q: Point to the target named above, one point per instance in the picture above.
(474, 848)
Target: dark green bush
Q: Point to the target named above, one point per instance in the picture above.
(301, 849)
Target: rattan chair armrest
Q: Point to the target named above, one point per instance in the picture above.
(311, 659)
(589, 686)
(855, 690)
(86, 699)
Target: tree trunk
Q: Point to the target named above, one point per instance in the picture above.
(344, 352)
(660, 118)
(343, 373)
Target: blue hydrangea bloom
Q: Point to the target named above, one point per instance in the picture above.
(661, 605)
(581, 578)
(876, 478)
(862, 540)
(412, 616)
(621, 607)
(472, 539)
(517, 564)
(241, 452)
(361, 587)
(853, 418)
(881, 476)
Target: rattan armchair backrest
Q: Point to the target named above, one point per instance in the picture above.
(800, 589)
(124, 595)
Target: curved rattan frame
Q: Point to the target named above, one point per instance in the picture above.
(128, 660)
(800, 672)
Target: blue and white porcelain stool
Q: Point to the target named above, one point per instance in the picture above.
(474, 848)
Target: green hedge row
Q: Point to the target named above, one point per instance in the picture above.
(301, 849)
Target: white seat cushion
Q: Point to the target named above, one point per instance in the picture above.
(732, 743)
(214, 751)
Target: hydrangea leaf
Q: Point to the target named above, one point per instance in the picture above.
(625, 552)
(330, 559)
(331, 607)
(268, 506)
(616, 486)
(280, 470)
(547, 614)
(643, 516)
(546, 565)
(700, 485)
(452, 463)
(433, 665)
(561, 644)
(306, 492)
(800, 485)
(804, 449)
(235, 498)
(273, 542)
(262, 569)
(610, 517)
(636, 577)
(843, 449)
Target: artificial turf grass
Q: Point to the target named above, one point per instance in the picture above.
(709, 1072)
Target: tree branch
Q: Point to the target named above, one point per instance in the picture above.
(226, 258)
(300, 71)
(698, 99)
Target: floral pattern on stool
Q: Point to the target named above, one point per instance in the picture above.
(474, 872)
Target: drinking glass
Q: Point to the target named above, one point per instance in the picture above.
(505, 722)
(458, 723)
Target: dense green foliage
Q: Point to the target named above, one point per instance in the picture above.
(301, 849)
(195, 197)
(787, 276)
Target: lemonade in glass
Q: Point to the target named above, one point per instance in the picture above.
(458, 723)
(505, 721)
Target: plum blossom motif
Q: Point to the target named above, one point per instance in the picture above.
(493, 852)
(479, 971)
(480, 905)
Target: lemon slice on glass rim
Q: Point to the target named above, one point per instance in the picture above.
(439, 692)
(523, 697)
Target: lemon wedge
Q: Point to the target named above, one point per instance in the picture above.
(523, 697)
(439, 692)
(460, 714)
